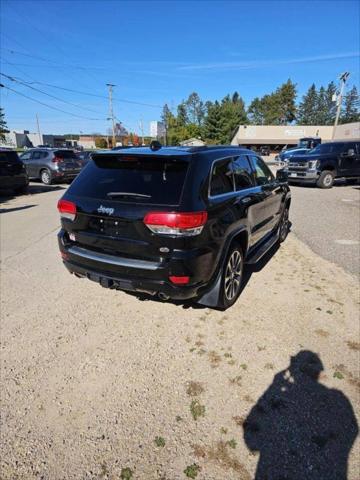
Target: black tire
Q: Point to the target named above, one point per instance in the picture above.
(326, 179)
(45, 176)
(284, 224)
(231, 277)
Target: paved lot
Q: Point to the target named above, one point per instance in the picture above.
(329, 222)
(90, 377)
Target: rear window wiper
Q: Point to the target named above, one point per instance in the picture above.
(127, 194)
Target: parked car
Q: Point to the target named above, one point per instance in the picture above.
(326, 162)
(84, 156)
(176, 222)
(51, 164)
(13, 174)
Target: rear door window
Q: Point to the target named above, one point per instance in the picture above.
(132, 179)
(222, 177)
(242, 173)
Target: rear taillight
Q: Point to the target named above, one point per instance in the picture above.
(67, 209)
(57, 160)
(174, 223)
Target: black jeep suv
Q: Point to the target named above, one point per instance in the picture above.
(326, 162)
(177, 222)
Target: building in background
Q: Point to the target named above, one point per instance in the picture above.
(192, 142)
(157, 130)
(279, 136)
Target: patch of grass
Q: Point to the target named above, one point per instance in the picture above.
(338, 375)
(214, 358)
(269, 366)
(243, 366)
(126, 474)
(353, 345)
(194, 389)
(159, 441)
(192, 349)
(232, 361)
(224, 430)
(197, 410)
(227, 355)
(191, 471)
(232, 443)
(201, 351)
(236, 380)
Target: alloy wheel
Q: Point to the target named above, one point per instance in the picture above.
(233, 273)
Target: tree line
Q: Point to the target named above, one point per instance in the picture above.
(217, 122)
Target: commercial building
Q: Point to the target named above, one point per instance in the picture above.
(25, 139)
(279, 136)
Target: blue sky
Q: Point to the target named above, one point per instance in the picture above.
(157, 52)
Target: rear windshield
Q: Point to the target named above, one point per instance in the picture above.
(132, 179)
(9, 157)
(65, 154)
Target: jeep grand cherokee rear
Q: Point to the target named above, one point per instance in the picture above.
(177, 222)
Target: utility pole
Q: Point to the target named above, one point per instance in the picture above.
(142, 132)
(38, 127)
(343, 77)
(111, 113)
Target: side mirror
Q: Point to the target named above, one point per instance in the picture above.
(350, 152)
(282, 175)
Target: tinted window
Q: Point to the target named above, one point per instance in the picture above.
(242, 173)
(65, 154)
(8, 157)
(222, 177)
(158, 180)
(328, 148)
(262, 172)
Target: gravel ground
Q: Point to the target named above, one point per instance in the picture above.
(98, 384)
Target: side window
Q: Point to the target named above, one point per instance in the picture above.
(262, 172)
(221, 177)
(26, 156)
(43, 154)
(242, 173)
(36, 155)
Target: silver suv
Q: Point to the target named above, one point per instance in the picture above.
(51, 164)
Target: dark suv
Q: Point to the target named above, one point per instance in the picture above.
(176, 222)
(51, 164)
(12, 172)
(326, 162)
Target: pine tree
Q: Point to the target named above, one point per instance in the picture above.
(285, 102)
(195, 109)
(212, 124)
(3, 125)
(255, 112)
(331, 104)
(322, 112)
(233, 114)
(351, 112)
(307, 110)
(182, 117)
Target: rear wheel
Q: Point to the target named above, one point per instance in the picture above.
(326, 179)
(231, 277)
(45, 176)
(284, 224)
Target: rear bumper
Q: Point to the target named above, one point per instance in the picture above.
(131, 274)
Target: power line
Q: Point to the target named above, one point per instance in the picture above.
(46, 105)
(14, 79)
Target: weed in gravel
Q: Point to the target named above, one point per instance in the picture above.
(318, 308)
(260, 348)
(159, 441)
(222, 457)
(338, 375)
(199, 451)
(322, 333)
(227, 355)
(199, 343)
(239, 420)
(353, 345)
(223, 430)
(197, 410)
(330, 312)
(232, 443)
(214, 358)
(126, 474)
(231, 362)
(194, 389)
(188, 339)
(192, 349)
(236, 380)
(201, 351)
(191, 471)
(269, 366)
(178, 418)
(243, 366)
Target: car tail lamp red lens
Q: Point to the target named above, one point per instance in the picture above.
(67, 209)
(57, 160)
(184, 280)
(176, 223)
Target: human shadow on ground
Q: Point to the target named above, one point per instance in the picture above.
(302, 429)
